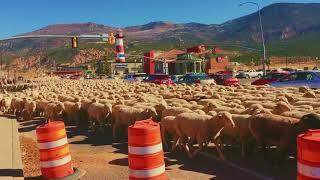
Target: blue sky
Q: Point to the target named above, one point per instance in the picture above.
(19, 16)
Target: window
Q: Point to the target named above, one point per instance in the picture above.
(304, 76)
(277, 76)
(290, 77)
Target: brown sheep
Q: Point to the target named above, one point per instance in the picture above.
(279, 130)
(201, 128)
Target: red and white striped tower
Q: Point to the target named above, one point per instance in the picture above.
(120, 57)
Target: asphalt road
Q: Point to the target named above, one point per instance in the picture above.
(102, 159)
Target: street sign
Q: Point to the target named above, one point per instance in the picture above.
(104, 37)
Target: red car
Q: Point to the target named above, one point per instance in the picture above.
(159, 79)
(271, 77)
(226, 80)
(75, 77)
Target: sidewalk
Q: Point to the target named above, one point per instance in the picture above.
(10, 155)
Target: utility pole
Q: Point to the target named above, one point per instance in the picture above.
(262, 34)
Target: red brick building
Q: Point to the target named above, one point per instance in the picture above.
(217, 64)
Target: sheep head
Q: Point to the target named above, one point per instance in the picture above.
(226, 118)
(281, 107)
(309, 121)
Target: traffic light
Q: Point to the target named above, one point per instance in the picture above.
(111, 38)
(74, 42)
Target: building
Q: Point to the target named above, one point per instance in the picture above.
(216, 64)
(188, 63)
(64, 70)
(166, 61)
(126, 67)
(194, 60)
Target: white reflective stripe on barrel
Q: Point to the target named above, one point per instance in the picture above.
(309, 171)
(55, 163)
(145, 150)
(147, 173)
(53, 144)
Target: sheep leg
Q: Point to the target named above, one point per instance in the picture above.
(222, 157)
(282, 151)
(186, 147)
(243, 146)
(163, 131)
(219, 143)
(179, 136)
(114, 131)
(199, 140)
(175, 140)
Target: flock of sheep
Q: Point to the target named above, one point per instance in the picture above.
(188, 114)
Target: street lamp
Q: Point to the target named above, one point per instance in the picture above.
(262, 36)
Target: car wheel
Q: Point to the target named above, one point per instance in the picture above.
(247, 76)
(259, 76)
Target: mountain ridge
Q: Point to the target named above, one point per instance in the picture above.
(281, 22)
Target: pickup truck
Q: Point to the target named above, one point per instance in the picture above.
(250, 74)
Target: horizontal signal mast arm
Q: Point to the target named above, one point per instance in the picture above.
(57, 36)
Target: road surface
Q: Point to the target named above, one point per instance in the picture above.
(102, 159)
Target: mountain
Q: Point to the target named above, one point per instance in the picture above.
(282, 22)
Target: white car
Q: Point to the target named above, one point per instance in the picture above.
(250, 74)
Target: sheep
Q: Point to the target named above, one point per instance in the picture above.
(53, 110)
(71, 110)
(280, 130)
(29, 110)
(241, 130)
(281, 107)
(168, 126)
(256, 109)
(40, 106)
(97, 114)
(5, 104)
(174, 111)
(294, 114)
(126, 116)
(201, 128)
(309, 94)
(17, 106)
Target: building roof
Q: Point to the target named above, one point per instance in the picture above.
(188, 57)
(170, 55)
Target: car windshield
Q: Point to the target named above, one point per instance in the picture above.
(227, 76)
(274, 76)
(317, 73)
(153, 77)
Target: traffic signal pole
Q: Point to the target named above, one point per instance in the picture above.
(104, 37)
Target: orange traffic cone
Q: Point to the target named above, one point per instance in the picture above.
(146, 159)
(53, 145)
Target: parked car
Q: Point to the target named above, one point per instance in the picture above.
(225, 80)
(175, 78)
(76, 77)
(250, 74)
(136, 77)
(196, 78)
(271, 77)
(300, 78)
(159, 79)
(288, 69)
(66, 76)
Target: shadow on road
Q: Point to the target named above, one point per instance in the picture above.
(31, 125)
(120, 162)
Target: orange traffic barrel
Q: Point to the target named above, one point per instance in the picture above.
(309, 155)
(55, 158)
(146, 159)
